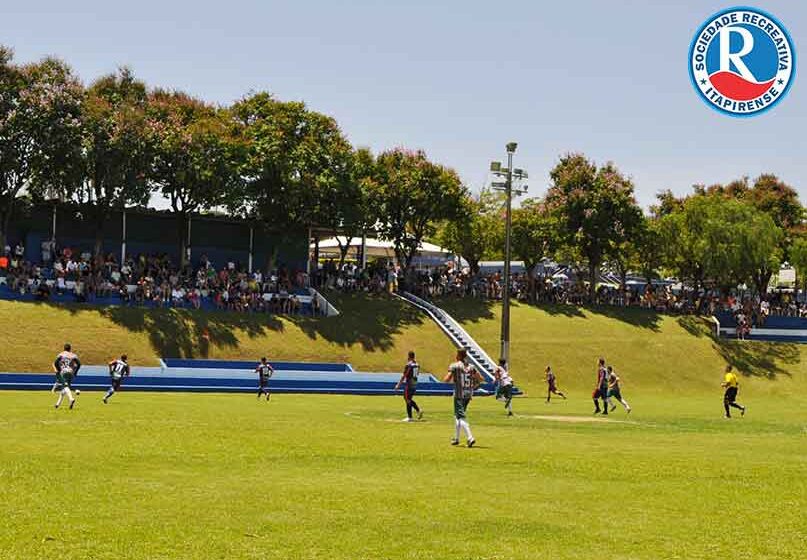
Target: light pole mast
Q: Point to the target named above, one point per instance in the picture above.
(509, 173)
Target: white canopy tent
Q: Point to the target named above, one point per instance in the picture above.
(428, 254)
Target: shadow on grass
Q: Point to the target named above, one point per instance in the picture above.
(757, 358)
(184, 333)
(696, 326)
(471, 310)
(634, 316)
(367, 319)
(474, 310)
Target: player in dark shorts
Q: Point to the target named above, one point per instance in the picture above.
(264, 371)
(601, 390)
(615, 390)
(66, 366)
(552, 384)
(732, 386)
(409, 379)
(118, 369)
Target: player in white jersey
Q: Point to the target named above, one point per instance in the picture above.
(118, 369)
(505, 383)
(66, 366)
(465, 379)
(615, 390)
(264, 370)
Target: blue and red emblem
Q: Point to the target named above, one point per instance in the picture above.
(742, 61)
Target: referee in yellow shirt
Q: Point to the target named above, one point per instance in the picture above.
(731, 385)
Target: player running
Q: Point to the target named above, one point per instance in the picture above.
(551, 382)
(465, 379)
(615, 391)
(264, 371)
(601, 390)
(409, 379)
(731, 385)
(66, 367)
(118, 369)
(505, 385)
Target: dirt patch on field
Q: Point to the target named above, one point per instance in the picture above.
(575, 419)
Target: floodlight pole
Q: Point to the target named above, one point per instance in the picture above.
(504, 353)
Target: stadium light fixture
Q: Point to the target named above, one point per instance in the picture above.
(508, 173)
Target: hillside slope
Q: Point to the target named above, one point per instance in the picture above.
(651, 352)
(372, 333)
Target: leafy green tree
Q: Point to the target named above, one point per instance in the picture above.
(798, 260)
(297, 165)
(534, 237)
(720, 239)
(197, 156)
(117, 150)
(349, 210)
(776, 199)
(413, 195)
(479, 232)
(40, 108)
(650, 249)
(595, 208)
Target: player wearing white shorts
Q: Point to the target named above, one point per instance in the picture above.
(66, 367)
(465, 379)
(505, 383)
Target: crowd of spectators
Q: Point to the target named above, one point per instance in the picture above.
(377, 277)
(663, 298)
(153, 279)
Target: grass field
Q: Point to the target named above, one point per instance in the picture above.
(372, 333)
(224, 476)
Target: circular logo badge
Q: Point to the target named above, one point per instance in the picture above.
(742, 61)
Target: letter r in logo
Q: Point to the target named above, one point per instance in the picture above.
(727, 57)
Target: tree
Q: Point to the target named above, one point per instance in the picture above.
(413, 195)
(595, 208)
(117, 149)
(350, 211)
(479, 232)
(798, 260)
(40, 107)
(297, 164)
(650, 249)
(721, 239)
(197, 157)
(534, 236)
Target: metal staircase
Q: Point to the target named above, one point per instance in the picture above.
(461, 339)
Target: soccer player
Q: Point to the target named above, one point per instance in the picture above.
(465, 379)
(615, 391)
(66, 367)
(505, 383)
(601, 390)
(118, 369)
(731, 385)
(264, 371)
(409, 379)
(551, 382)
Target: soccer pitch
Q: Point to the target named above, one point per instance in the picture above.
(227, 476)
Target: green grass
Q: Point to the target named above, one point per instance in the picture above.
(372, 333)
(653, 353)
(224, 476)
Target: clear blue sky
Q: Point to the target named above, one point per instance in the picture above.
(456, 78)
